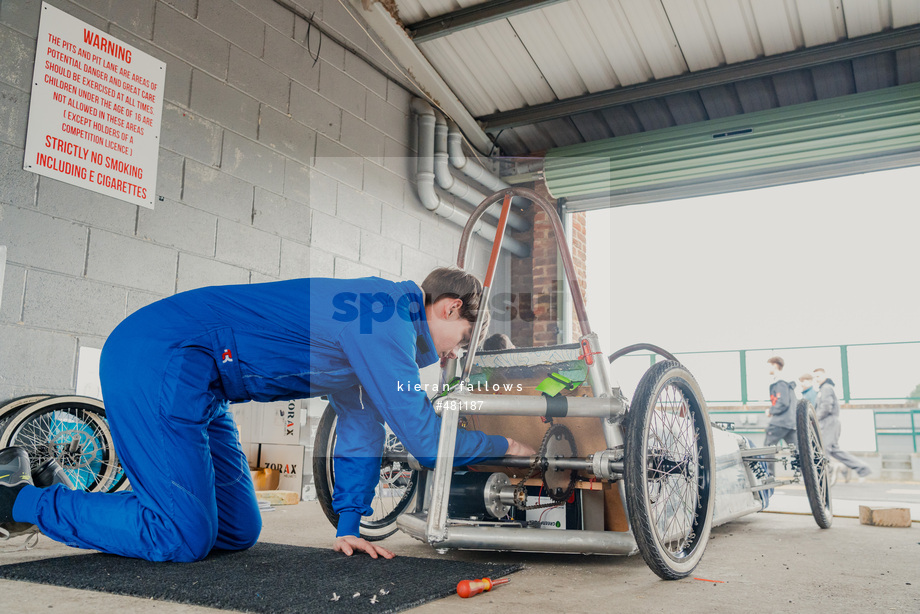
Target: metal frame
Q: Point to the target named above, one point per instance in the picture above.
(437, 530)
(471, 17)
(902, 38)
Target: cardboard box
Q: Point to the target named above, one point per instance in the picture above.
(242, 416)
(287, 459)
(276, 422)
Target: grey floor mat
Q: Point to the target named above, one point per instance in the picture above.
(266, 578)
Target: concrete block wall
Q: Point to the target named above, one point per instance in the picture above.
(273, 165)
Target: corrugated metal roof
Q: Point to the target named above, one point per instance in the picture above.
(575, 48)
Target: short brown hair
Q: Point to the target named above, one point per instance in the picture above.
(779, 362)
(453, 282)
(498, 341)
(805, 377)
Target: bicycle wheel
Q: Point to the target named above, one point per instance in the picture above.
(669, 470)
(814, 464)
(71, 430)
(11, 406)
(394, 491)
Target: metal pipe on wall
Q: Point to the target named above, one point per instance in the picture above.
(425, 181)
(458, 188)
(475, 171)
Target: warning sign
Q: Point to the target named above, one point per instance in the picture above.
(94, 117)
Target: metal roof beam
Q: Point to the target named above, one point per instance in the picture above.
(834, 52)
(421, 72)
(472, 16)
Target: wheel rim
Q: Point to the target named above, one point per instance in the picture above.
(394, 489)
(820, 463)
(397, 481)
(74, 438)
(675, 485)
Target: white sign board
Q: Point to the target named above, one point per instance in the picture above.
(88, 384)
(94, 118)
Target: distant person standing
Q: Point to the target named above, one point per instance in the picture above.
(782, 406)
(809, 392)
(828, 410)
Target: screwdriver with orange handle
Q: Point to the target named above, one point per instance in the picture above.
(468, 588)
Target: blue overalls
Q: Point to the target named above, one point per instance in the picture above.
(169, 370)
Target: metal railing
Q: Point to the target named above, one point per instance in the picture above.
(905, 423)
(868, 374)
(860, 366)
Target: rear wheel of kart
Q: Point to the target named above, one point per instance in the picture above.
(814, 464)
(669, 470)
(73, 431)
(392, 496)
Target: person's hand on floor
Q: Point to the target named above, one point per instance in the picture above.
(349, 544)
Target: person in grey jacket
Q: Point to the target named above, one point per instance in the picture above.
(782, 406)
(827, 409)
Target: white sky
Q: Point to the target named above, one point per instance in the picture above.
(821, 263)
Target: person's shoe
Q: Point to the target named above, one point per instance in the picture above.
(14, 475)
(50, 473)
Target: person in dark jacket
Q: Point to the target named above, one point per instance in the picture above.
(782, 406)
(169, 371)
(809, 392)
(827, 409)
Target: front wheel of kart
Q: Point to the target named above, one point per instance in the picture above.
(392, 496)
(669, 470)
(814, 464)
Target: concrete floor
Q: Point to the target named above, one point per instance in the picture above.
(766, 562)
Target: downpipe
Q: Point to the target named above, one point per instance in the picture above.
(446, 181)
(425, 182)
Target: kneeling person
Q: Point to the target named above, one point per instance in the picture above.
(170, 370)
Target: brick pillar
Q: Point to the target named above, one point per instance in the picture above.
(536, 282)
(545, 283)
(522, 288)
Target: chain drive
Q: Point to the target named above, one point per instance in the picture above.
(538, 463)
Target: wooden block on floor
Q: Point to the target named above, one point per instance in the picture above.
(884, 516)
(278, 497)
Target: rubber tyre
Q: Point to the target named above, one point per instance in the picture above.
(669, 464)
(372, 528)
(13, 405)
(35, 427)
(814, 464)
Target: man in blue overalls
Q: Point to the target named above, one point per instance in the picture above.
(169, 370)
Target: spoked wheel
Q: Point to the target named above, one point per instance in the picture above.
(669, 470)
(394, 491)
(14, 405)
(814, 464)
(73, 431)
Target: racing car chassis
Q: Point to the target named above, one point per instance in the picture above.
(659, 452)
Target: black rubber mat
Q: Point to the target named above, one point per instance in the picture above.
(266, 578)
